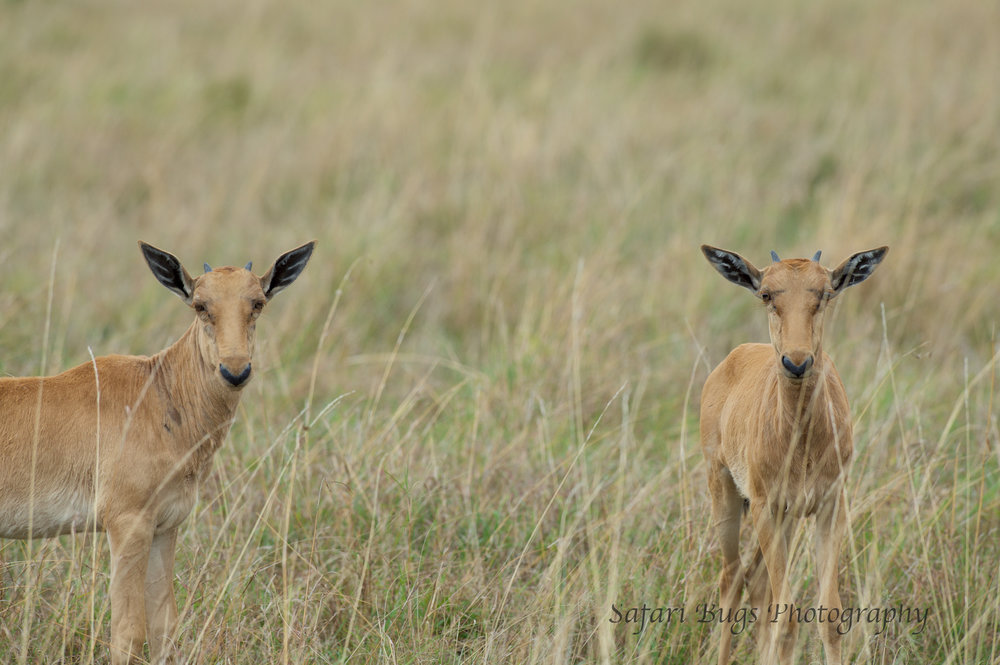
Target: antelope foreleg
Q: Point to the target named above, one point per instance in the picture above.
(759, 591)
(771, 537)
(831, 524)
(130, 538)
(727, 506)
(161, 608)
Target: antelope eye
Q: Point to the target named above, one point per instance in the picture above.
(258, 306)
(765, 296)
(200, 308)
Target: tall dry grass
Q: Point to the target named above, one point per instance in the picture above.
(476, 425)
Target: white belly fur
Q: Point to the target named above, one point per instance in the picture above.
(55, 515)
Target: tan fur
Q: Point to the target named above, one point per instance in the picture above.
(783, 443)
(130, 467)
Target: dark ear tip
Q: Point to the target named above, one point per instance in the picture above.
(149, 252)
(304, 252)
(303, 249)
(878, 253)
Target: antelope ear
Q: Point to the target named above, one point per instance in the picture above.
(856, 269)
(733, 267)
(286, 269)
(169, 271)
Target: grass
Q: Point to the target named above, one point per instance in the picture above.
(475, 428)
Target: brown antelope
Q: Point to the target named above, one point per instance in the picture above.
(776, 433)
(119, 444)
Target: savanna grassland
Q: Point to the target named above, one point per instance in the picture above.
(474, 424)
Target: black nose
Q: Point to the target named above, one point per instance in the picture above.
(235, 379)
(796, 370)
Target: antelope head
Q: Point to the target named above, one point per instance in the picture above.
(227, 302)
(796, 293)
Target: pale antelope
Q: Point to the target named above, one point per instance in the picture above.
(776, 433)
(119, 444)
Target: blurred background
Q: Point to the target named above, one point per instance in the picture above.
(476, 421)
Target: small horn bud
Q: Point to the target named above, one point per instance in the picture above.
(208, 268)
(816, 257)
(248, 265)
(774, 256)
